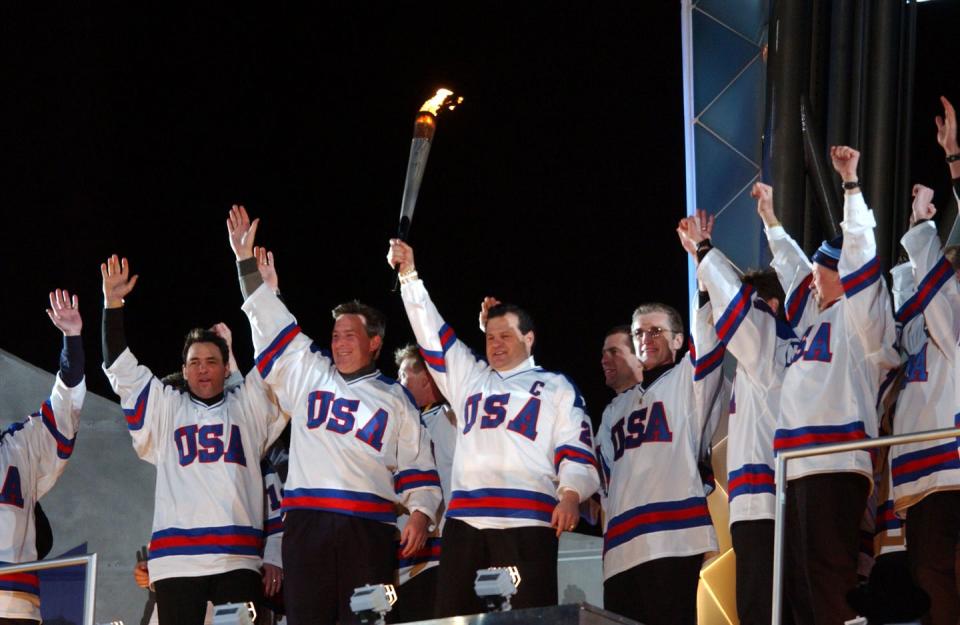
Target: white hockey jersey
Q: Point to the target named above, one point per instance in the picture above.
(356, 447)
(927, 398)
(441, 425)
(830, 389)
(650, 442)
(763, 345)
(208, 509)
(523, 434)
(33, 454)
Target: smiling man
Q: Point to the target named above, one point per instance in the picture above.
(524, 458)
(357, 450)
(206, 444)
(621, 367)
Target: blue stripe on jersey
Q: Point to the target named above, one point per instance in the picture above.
(415, 478)
(662, 516)
(735, 313)
(350, 503)
(861, 278)
(702, 367)
(135, 415)
(64, 444)
(931, 284)
(750, 479)
(229, 539)
(275, 349)
(502, 502)
(797, 301)
(917, 464)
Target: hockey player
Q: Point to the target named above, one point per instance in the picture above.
(657, 526)
(33, 454)
(524, 458)
(356, 451)
(206, 445)
(829, 395)
(926, 476)
(749, 321)
(621, 368)
(417, 575)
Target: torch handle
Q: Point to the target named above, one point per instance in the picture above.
(402, 230)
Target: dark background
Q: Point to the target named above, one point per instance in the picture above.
(557, 184)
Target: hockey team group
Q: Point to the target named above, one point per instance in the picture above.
(470, 462)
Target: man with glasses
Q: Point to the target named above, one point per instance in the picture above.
(657, 524)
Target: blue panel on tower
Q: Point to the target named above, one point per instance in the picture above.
(737, 115)
(718, 56)
(747, 17)
(735, 233)
(721, 172)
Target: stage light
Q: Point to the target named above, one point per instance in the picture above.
(496, 585)
(234, 614)
(372, 602)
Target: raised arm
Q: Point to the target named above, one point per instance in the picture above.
(791, 264)
(867, 304)
(947, 138)
(451, 363)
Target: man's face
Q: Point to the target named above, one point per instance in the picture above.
(826, 284)
(621, 368)
(205, 372)
(417, 382)
(506, 346)
(655, 342)
(351, 347)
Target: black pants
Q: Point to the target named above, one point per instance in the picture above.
(753, 545)
(658, 592)
(533, 550)
(18, 621)
(933, 536)
(417, 599)
(183, 600)
(822, 545)
(325, 557)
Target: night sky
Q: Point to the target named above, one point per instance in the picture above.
(556, 185)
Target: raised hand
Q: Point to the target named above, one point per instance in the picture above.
(267, 268)
(947, 128)
(845, 160)
(485, 306)
(117, 282)
(923, 207)
(64, 312)
(400, 256)
(763, 194)
(688, 244)
(242, 232)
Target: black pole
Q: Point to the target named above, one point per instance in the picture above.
(904, 183)
(839, 98)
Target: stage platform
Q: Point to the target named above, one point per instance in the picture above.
(572, 614)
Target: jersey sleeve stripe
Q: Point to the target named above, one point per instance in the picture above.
(926, 290)
(887, 519)
(429, 553)
(275, 349)
(413, 478)
(501, 502)
(135, 415)
(817, 434)
(273, 526)
(20, 582)
(573, 454)
(351, 503)
(702, 367)
(797, 301)
(750, 479)
(64, 444)
(917, 464)
(656, 517)
(434, 360)
(861, 278)
(735, 313)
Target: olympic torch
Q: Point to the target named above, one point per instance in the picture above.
(424, 127)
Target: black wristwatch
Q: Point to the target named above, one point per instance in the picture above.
(849, 186)
(953, 158)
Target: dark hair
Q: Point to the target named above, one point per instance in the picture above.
(373, 320)
(767, 286)
(952, 253)
(410, 352)
(524, 320)
(674, 318)
(200, 335)
(175, 380)
(622, 329)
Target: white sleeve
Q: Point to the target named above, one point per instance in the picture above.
(705, 367)
(52, 444)
(451, 363)
(416, 480)
(262, 409)
(286, 358)
(867, 305)
(145, 402)
(795, 273)
(574, 461)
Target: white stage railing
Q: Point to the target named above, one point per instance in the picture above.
(821, 450)
(89, 582)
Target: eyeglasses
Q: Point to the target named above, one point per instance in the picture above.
(654, 332)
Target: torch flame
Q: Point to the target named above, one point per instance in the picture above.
(443, 99)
